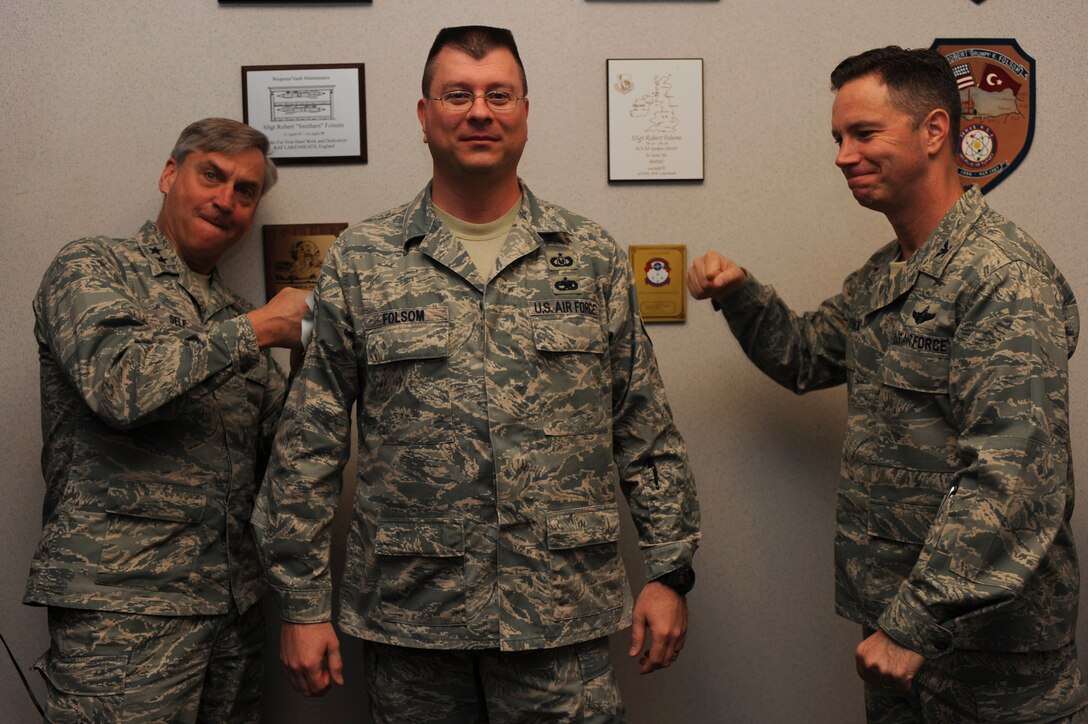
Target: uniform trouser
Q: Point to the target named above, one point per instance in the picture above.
(103, 666)
(995, 687)
(567, 684)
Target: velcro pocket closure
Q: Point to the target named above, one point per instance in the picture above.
(257, 375)
(568, 333)
(159, 501)
(85, 675)
(399, 335)
(583, 527)
(432, 537)
(901, 522)
(909, 369)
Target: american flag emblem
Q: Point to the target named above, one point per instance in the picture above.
(964, 79)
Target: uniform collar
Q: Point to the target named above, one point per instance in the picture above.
(420, 218)
(164, 260)
(423, 228)
(158, 250)
(933, 256)
(943, 243)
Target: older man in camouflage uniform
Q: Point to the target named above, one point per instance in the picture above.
(954, 548)
(503, 385)
(158, 411)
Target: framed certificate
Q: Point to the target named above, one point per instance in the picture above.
(310, 113)
(655, 119)
(293, 254)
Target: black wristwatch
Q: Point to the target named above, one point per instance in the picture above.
(680, 580)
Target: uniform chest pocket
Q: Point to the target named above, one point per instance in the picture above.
(571, 375)
(918, 370)
(912, 412)
(407, 386)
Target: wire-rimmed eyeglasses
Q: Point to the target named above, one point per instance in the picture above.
(460, 101)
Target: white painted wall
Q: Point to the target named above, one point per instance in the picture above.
(94, 94)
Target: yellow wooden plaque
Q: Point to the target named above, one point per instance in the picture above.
(659, 277)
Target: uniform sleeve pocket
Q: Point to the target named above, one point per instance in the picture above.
(158, 501)
(257, 375)
(977, 552)
(982, 559)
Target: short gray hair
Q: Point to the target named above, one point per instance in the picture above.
(223, 135)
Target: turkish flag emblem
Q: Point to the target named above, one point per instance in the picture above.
(995, 79)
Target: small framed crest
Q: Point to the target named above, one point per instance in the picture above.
(659, 278)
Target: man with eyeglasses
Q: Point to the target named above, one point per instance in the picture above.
(503, 386)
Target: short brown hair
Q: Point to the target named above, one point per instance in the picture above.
(918, 81)
(476, 41)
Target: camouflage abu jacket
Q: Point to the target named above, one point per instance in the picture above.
(495, 418)
(157, 418)
(957, 482)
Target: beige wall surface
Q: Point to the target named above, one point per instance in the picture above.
(94, 95)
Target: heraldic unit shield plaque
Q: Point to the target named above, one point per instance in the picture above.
(996, 79)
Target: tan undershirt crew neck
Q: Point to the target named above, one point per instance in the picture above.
(202, 284)
(896, 268)
(482, 241)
